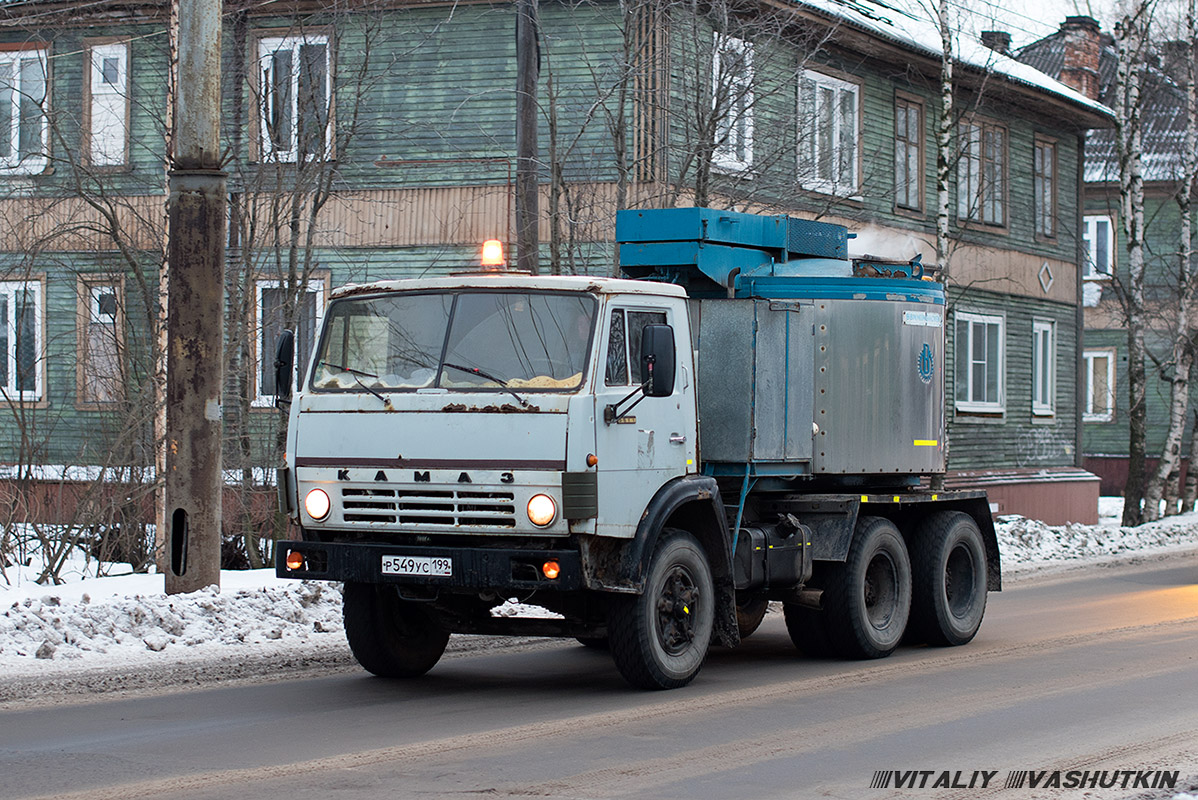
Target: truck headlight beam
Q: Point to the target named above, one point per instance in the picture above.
(317, 504)
(542, 511)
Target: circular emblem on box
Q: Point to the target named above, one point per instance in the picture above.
(926, 363)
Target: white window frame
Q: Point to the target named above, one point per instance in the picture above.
(108, 118)
(1088, 413)
(316, 286)
(267, 47)
(1044, 374)
(732, 88)
(814, 139)
(1090, 234)
(998, 405)
(8, 381)
(34, 162)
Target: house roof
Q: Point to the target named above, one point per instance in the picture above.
(1163, 113)
(909, 25)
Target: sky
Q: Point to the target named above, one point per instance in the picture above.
(1029, 20)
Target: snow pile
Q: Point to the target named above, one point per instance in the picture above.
(1028, 543)
(49, 627)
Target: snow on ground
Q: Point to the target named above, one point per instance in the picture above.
(127, 623)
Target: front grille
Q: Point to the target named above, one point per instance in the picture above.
(430, 508)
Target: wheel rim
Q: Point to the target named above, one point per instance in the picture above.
(677, 611)
(881, 590)
(960, 580)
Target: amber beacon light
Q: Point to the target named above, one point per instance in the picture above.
(492, 256)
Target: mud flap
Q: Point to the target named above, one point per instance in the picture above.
(725, 631)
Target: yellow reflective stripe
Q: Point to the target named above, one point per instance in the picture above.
(927, 442)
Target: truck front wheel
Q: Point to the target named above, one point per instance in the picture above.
(390, 636)
(948, 565)
(659, 639)
(867, 599)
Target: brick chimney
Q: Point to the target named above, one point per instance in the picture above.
(1083, 45)
(998, 41)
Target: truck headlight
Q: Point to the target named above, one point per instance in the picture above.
(541, 510)
(317, 504)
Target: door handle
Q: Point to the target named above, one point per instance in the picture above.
(677, 438)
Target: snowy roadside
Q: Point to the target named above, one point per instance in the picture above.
(95, 635)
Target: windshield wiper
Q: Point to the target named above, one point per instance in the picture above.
(350, 370)
(490, 377)
(356, 373)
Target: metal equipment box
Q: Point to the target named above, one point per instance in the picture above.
(823, 386)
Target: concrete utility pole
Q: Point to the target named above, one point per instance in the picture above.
(196, 256)
(528, 72)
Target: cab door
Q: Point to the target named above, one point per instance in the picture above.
(653, 440)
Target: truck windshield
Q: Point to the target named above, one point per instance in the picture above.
(466, 341)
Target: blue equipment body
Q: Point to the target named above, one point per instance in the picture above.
(809, 363)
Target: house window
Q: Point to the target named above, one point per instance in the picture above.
(1099, 233)
(828, 134)
(21, 323)
(108, 89)
(296, 86)
(624, 345)
(1044, 366)
(1100, 386)
(23, 128)
(101, 322)
(908, 163)
(273, 320)
(732, 99)
(982, 173)
(1044, 185)
(979, 363)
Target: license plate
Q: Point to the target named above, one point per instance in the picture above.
(431, 566)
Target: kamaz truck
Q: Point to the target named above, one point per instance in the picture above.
(749, 416)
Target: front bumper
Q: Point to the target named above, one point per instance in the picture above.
(474, 568)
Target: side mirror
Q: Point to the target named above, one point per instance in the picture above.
(284, 367)
(657, 360)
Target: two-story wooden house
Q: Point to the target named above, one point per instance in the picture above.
(377, 140)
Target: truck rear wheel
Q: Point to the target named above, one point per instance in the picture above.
(390, 636)
(659, 639)
(806, 629)
(948, 566)
(867, 599)
(593, 642)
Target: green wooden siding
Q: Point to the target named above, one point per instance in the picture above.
(1017, 437)
(437, 84)
(1161, 246)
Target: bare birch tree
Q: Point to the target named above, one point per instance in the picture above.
(1177, 370)
(1131, 42)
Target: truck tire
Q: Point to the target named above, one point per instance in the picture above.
(593, 642)
(948, 570)
(390, 636)
(659, 639)
(867, 599)
(806, 629)
(750, 611)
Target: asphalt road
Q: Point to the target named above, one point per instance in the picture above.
(1096, 671)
